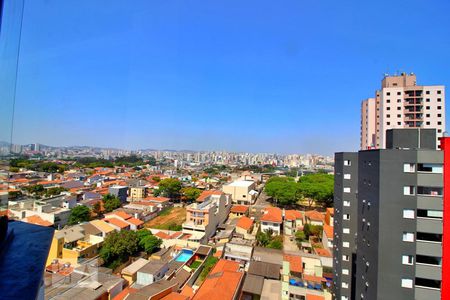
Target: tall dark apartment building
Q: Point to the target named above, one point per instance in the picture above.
(388, 228)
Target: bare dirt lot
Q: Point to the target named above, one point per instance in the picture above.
(169, 217)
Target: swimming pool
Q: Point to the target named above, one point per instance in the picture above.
(184, 256)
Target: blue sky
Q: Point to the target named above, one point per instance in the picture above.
(259, 76)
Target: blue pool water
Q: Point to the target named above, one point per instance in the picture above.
(184, 255)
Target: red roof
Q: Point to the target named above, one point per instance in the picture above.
(322, 252)
(175, 296)
(330, 210)
(157, 199)
(135, 221)
(121, 214)
(37, 220)
(313, 278)
(328, 231)
(123, 294)
(315, 215)
(239, 209)
(272, 214)
(221, 283)
(292, 215)
(295, 262)
(314, 297)
(117, 222)
(245, 223)
(162, 235)
(206, 194)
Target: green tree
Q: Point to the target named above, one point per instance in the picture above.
(111, 202)
(276, 242)
(97, 208)
(147, 241)
(284, 190)
(318, 187)
(300, 237)
(170, 187)
(119, 246)
(191, 193)
(79, 214)
(210, 262)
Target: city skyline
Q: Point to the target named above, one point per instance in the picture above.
(267, 80)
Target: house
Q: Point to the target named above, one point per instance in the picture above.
(313, 217)
(238, 211)
(117, 223)
(265, 270)
(73, 245)
(241, 191)
(327, 237)
(238, 250)
(151, 272)
(272, 219)
(223, 282)
(138, 192)
(244, 226)
(104, 227)
(293, 221)
(127, 221)
(205, 215)
(130, 273)
(253, 286)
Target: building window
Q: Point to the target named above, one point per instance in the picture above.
(408, 237)
(347, 162)
(388, 123)
(344, 285)
(427, 92)
(429, 213)
(409, 190)
(427, 115)
(439, 123)
(398, 101)
(345, 257)
(388, 94)
(346, 230)
(388, 116)
(439, 115)
(347, 190)
(439, 107)
(347, 176)
(429, 283)
(388, 108)
(345, 271)
(409, 168)
(346, 244)
(346, 216)
(428, 260)
(399, 123)
(344, 298)
(427, 107)
(407, 283)
(399, 93)
(427, 100)
(429, 237)
(388, 101)
(407, 259)
(429, 191)
(439, 92)
(439, 100)
(408, 213)
(428, 123)
(346, 203)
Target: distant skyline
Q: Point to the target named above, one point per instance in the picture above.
(241, 76)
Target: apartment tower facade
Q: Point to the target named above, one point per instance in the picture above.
(401, 103)
(397, 238)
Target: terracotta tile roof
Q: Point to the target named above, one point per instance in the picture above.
(313, 278)
(157, 199)
(322, 252)
(187, 291)
(295, 262)
(218, 254)
(175, 296)
(117, 222)
(245, 223)
(123, 294)
(37, 220)
(239, 209)
(272, 214)
(102, 226)
(330, 210)
(143, 203)
(134, 221)
(314, 297)
(328, 231)
(315, 215)
(292, 215)
(206, 194)
(162, 235)
(120, 214)
(221, 283)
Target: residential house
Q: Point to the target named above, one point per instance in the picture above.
(327, 237)
(151, 272)
(104, 227)
(130, 272)
(238, 250)
(238, 211)
(313, 217)
(293, 221)
(223, 282)
(272, 219)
